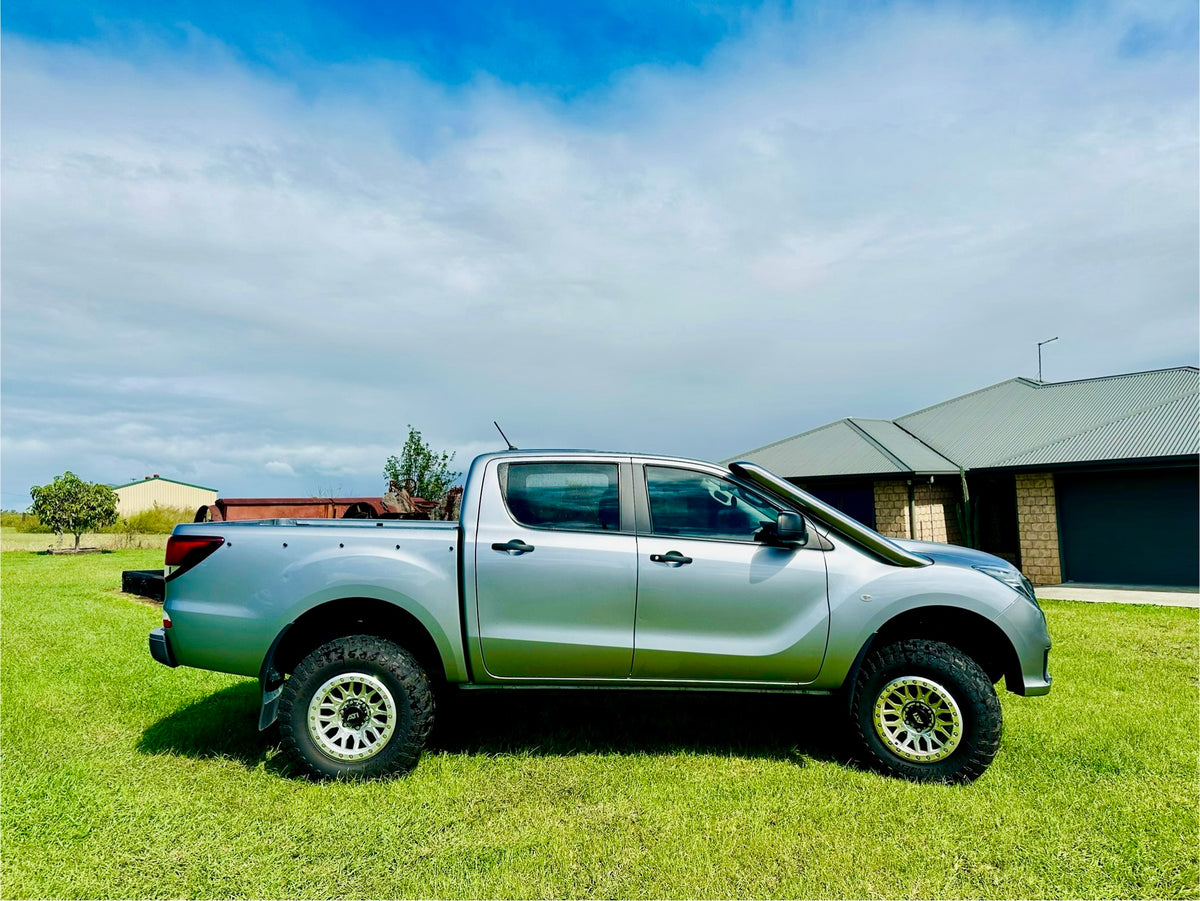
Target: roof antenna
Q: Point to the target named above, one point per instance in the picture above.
(1040, 343)
(511, 446)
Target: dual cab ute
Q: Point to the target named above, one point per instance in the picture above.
(572, 568)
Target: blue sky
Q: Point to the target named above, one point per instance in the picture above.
(563, 47)
(245, 244)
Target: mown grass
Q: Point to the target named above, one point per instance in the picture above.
(13, 540)
(146, 529)
(122, 778)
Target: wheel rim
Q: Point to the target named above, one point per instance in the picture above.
(918, 720)
(352, 716)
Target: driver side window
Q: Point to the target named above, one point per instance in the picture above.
(697, 505)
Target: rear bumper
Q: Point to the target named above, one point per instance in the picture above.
(160, 647)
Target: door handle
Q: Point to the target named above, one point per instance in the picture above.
(514, 548)
(672, 558)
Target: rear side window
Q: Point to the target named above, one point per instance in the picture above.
(581, 496)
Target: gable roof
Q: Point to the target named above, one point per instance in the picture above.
(160, 479)
(1019, 422)
(851, 447)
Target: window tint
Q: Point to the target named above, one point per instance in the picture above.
(562, 495)
(695, 505)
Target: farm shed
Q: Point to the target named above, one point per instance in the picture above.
(1091, 481)
(143, 494)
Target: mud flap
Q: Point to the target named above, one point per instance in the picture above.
(269, 676)
(270, 708)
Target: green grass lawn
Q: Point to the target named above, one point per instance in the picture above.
(122, 778)
(12, 540)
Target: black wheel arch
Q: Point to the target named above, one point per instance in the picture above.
(975, 635)
(344, 617)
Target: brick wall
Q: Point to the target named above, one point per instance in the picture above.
(1037, 525)
(937, 519)
(891, 508)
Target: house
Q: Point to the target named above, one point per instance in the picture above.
(1091, 481)
(144, 494)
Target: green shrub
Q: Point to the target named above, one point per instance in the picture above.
(429, 471)
(22, 522)
(155, 521)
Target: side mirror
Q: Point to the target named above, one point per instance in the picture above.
(789, 529)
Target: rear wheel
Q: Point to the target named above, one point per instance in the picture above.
(926, 711)
(358, 706)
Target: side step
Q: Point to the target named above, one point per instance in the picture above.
(147, 583)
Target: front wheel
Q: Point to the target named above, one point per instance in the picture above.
(926, 711)
(358, 706)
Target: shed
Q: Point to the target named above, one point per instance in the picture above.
(146, 493)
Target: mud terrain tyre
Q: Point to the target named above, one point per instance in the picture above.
(925, 711)
(356, 707)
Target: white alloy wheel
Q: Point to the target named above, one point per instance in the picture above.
(352, 716)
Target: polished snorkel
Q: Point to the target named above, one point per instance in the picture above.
(847, 527)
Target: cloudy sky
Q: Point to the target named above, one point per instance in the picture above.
(244, 244)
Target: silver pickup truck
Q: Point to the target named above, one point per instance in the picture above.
(573, 568)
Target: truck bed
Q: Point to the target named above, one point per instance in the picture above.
(233, 604)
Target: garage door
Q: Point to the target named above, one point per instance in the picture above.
(1130, 528)
(855, 499)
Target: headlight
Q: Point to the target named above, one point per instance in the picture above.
(1012, 578)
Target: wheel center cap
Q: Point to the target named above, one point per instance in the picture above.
(918, 716)
(354, 714)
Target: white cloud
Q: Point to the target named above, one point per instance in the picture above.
(206, 270)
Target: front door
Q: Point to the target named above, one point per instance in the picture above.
(715, 604)
(556, 571)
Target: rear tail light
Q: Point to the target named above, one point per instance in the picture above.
(185, 551)
(166, 620)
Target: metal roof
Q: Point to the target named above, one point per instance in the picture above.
(913, 454)
(1146, 433)
(1019, 422)
(1004, 422)
(850, 447)
(160, 479)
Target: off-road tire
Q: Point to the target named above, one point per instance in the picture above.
(954, 684)
(394, 689)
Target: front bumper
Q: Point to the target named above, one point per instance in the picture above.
(1037, 683)
(160, 647)
(1025, 625)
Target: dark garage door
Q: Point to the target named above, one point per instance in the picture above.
(1130, 528)
(855, 498)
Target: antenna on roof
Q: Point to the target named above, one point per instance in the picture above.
(1040, 343)
(511, 446)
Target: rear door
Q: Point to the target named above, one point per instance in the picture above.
(714, 604)
(556, 569)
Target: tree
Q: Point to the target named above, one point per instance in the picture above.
(69, 504)
(429, 471)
